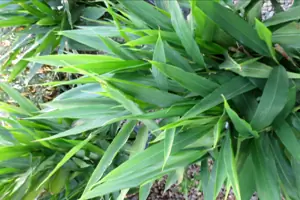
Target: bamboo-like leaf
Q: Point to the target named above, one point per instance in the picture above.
(230, 166)
(184, 33)
(220, 125)
(288, 138)
(282, 17)
(129, 105)
(233, 25)
(145, 191)
(72, 59)
(191, 81)
(176, 59)
(256, 70)
(176, 161)
(266, 179)
(159, 56)
(109, 154)
(273, 99)
(154, 155)
(240, 125)
(289, 106)
(66, 158)
(233, 88)
(16, 21)
(247, 188)
(24, 103)
(117, 49)
(148, 14)
(168, 143)
(174, 177)
(285, 171)
(107, 67)
(266, 35)
(296, 170)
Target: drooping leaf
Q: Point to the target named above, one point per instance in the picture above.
(273, 99)
(240, 125)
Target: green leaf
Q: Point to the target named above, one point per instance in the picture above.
(168, 143)
(145, 93)
(174, 177)
(233, 25)
(230, 166)
(266, 35)
(266, 179)
(240, 125)
(109, 154)
(129, 105)
(254, 11)
(16, 21)
(273, 99)
(106, 67)
(191, 81)
(287, 35)
(142, 41)
(289, 106)
(145, 191)
(72, 59)
(9, 152)
(140, 141)
(220, 174)
(184, 33)
(93, 12)
(159, 56)
(24, 103)
(66, 158)
(85, 125)
(253, 69)
(232, 88)
(284, 169)
(296, 170)
(291, 14)
(154, 155)
(117, 49)
(176, 161)
(288, 138)
(247, 188)
(220, 125)
(84, 111)
(89, 36)
(176, 59)
(246, 104)
(147, 13)
(43, 7)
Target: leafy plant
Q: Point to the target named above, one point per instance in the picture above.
(212, 86)
(36, 24)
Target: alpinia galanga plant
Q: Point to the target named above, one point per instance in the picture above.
(170, 90)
